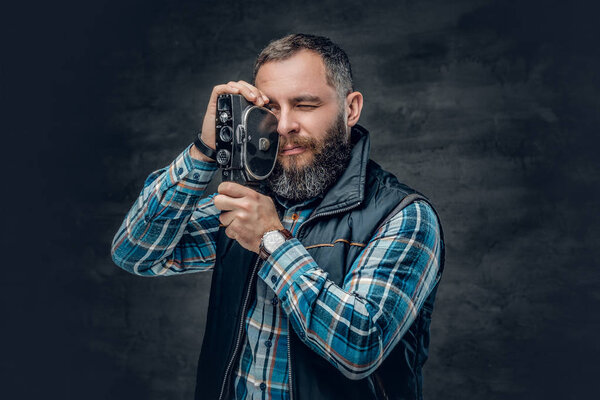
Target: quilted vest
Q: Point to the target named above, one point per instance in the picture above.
(362, 200)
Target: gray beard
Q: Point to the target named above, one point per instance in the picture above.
(315, 179)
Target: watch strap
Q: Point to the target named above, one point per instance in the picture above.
(204, 149)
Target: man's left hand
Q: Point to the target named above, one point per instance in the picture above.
(246, 213)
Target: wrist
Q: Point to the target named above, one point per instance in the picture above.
(203, 152)
(195, 153)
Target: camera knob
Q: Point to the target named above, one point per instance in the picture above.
(224, 116)
(264, 144)
(223, 156)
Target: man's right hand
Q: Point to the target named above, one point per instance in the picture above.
(250, 93)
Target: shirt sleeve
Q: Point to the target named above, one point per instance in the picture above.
(171, 228)
(356, 326)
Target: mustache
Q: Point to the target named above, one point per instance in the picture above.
(308, 143)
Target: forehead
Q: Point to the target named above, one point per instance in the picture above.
(302, 73)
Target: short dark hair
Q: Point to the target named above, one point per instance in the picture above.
(337, 66)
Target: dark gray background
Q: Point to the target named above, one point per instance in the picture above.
(489, 107)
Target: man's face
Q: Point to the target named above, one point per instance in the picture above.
(305, 104)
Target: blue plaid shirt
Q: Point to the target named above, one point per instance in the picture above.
(171, 229)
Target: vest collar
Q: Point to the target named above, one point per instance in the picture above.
(349, 190)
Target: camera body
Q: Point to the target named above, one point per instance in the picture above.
(247, 140)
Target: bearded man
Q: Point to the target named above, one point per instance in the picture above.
(324, 287)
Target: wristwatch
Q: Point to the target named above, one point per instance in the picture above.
(271, 241)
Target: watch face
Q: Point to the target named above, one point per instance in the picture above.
(272, 240)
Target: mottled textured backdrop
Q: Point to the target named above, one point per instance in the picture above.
(491, 108)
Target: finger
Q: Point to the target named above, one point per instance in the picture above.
(255, 90)
(227, 218)
(226, 88)
(230, 233)
(226, 203)
(223, 89)
(236, 190)
(223, 202)
(249, 92)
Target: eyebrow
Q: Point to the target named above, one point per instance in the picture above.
(306, 97)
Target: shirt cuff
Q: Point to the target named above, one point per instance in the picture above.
(286, 266)
(188, 175)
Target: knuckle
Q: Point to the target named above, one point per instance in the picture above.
(245, 204)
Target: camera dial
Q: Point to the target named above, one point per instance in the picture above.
(224, 116)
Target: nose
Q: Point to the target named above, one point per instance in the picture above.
(287, 123)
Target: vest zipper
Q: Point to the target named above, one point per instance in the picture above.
(289, 344)
(240, 329)
(380, 392)
(289, 354)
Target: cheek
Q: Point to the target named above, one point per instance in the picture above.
(319, 122)
(314, 122)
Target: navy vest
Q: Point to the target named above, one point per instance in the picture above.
(345, 220)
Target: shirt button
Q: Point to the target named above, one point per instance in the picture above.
(196, 175)
(268, 343)
(275, 301)
(283, 298)
(295, 216)
(302, 335)
(180, 171)
(263, 386)
(273, 278)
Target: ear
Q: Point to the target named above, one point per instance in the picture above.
(354, 104)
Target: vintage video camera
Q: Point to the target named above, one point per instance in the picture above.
(247, 140)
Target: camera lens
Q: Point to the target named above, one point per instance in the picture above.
(223, 156)
(226, 133)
